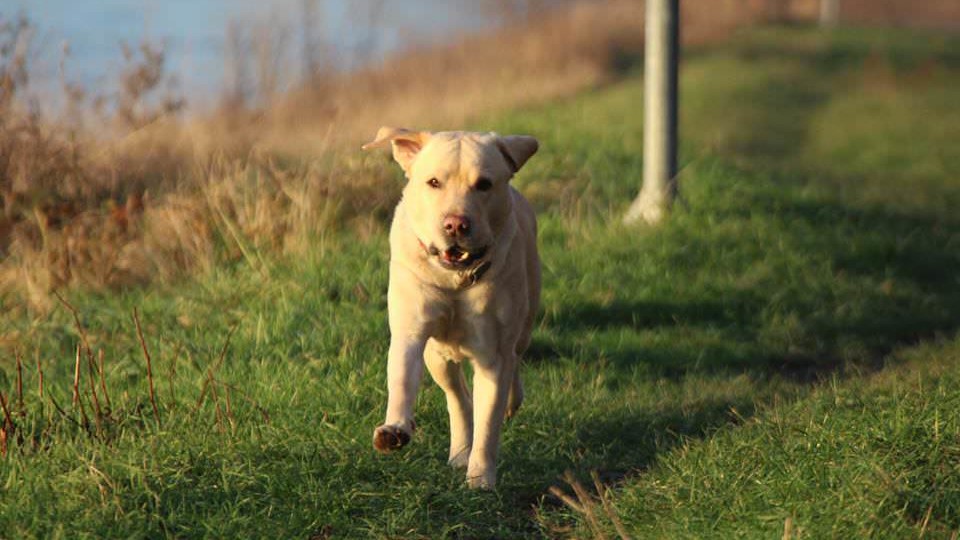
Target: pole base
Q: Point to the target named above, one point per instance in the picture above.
(647, 208)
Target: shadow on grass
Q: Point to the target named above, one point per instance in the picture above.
(906, 266)
(617, 444)
(899, 285)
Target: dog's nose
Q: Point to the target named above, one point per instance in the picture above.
(455, 225)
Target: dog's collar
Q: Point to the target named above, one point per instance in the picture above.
(468, 277)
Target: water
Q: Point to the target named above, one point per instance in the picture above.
(194, 35)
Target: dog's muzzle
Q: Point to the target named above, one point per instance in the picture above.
(469, 265)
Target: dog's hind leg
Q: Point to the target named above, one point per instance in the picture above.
(449, 376)
(515, 399)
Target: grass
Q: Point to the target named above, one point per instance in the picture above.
(780, 355)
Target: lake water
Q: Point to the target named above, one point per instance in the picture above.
(194, 34)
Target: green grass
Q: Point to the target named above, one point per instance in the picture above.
(784, 347)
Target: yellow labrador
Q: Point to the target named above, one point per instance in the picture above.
(464, 284)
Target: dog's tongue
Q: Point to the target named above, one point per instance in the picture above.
(455, 254)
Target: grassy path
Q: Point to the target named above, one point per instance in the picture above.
(785, 347)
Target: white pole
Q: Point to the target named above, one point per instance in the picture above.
(660, 112)
(829, 12)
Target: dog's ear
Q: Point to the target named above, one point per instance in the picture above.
(517, 149)
(406, 143)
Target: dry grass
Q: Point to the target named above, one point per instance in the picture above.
(235, 209)
(530, 61)
(597, 510)
(940, 14)
(159, 197)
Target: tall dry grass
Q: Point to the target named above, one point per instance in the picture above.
(935, 14)
(537, 56)
(72, 200)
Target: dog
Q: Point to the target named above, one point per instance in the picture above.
(464, 285)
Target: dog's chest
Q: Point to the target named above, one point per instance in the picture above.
(466, 322)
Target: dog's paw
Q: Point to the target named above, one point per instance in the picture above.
(460, 459)
(511, 411)
(484, 481)
(514, 401)
(389, 438)
(482, 478)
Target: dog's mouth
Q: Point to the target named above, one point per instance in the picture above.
(457, 257)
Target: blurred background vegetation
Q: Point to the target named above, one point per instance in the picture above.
(133, 177)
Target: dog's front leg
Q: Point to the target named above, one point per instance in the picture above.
(491, 386)
(449, 377)
(404, 372)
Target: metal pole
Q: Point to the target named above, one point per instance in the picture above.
(660, 112)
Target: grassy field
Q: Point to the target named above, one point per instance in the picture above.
(782, 354)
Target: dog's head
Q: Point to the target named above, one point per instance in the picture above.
(457, 196)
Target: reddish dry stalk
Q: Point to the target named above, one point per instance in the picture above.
(7, 427)
(20, 383)
(586, 503)
(98, 412)
(608, 507)
(146, 355)
(226, 394)
(216, 402)
(103, 381)
(60, 410)
(173, 374)
(76, 378)
(76, 319)
(567, 500)
(203, 394)
(216, 366)
(89, 353)
(926, 521)
(40, 380)
(226, 345)
(7, 417)
(76, 390)
(262, 410)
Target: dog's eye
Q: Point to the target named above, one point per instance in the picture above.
(483, 184)
(434, 183)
